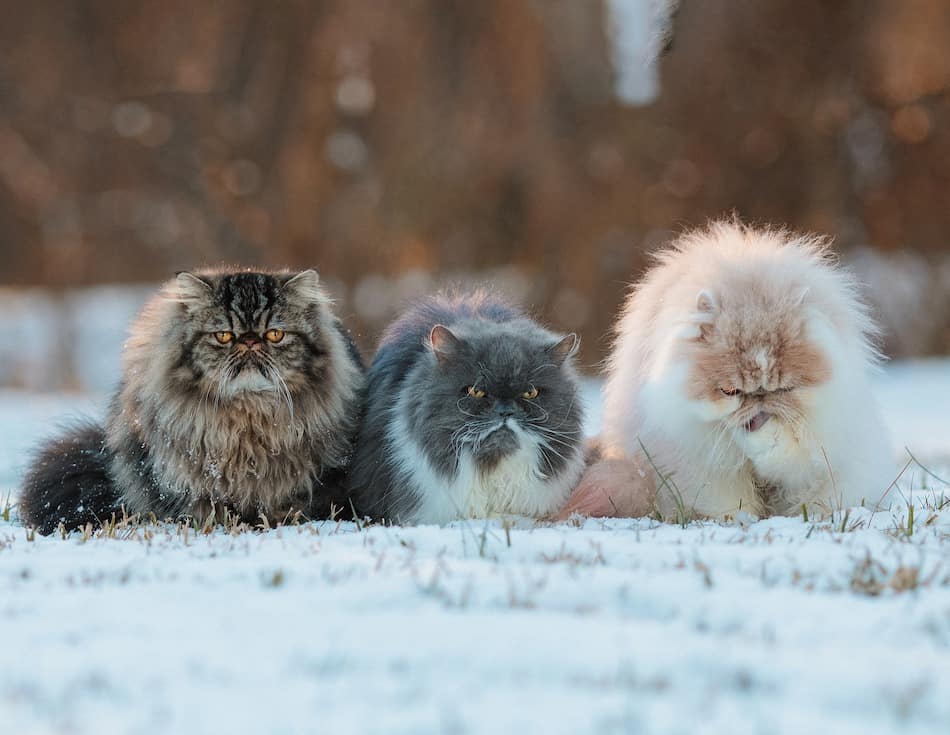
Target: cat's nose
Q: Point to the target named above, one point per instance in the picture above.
(249, 340)
(505, 409)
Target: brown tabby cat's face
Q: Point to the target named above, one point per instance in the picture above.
(753, 358)
(251, 332)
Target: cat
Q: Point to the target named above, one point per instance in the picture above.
(241, 392)
(740, 381)
(472, 411)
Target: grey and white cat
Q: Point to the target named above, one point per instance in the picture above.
(472, 411)
(240, 391)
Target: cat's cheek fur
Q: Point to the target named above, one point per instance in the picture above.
(714, 410)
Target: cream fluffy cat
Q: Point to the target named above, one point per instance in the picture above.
(742, 367)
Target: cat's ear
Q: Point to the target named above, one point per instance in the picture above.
(306, 285)
(565, 348)
(707, 306)
(190, 289)
(443, 343)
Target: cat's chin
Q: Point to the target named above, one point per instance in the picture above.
(249, 381)
(500, 443)
(765, 438)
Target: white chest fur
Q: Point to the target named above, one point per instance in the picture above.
(515, 486)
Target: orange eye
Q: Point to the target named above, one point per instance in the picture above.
(274, 335)
(476, 392)
(224, 337)
(530, 395)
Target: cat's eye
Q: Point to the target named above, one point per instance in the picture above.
(730, 392)
(224, 338)
(475, 392)
(530, 395)
(274, 335)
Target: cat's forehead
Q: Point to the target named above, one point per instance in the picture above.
(247, 301)
(506, 357)
(247, 294)
(756, 326)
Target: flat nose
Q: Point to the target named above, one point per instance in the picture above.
(249, 340)
(505, 409)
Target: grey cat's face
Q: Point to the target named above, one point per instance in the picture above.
(497, 390)
(251, 332)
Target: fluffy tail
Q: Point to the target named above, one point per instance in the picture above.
(69, 483)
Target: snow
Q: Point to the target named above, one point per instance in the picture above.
(620, 626)
(75, 336)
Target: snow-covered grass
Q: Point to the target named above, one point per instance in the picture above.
(840, 625)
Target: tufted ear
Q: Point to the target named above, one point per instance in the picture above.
(190, 289)
(443, 343)
(305, 285)
(564, 348)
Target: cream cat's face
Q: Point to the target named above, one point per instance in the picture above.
(752, 361)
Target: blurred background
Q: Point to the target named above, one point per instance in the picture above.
(536, 145)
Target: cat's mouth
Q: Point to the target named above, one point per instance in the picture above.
(250, 362)
(758, 421)
(250, 376)
(498, 443)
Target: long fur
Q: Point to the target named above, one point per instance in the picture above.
(733, 307)
(191, 433)
(70, 482)
(418, 453)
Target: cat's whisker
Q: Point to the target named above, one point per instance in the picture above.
(541, 427)
(555, 452)
(725, 438)
(539, 368)
(567, 414)
(458, 405)
(280, 384)
(556, 440)
(545, 414)
(535, 426)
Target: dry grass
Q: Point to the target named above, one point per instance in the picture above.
(872, 578)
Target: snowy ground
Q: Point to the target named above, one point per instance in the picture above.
(614, 627)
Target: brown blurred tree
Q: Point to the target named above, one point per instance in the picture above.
(138, 137)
